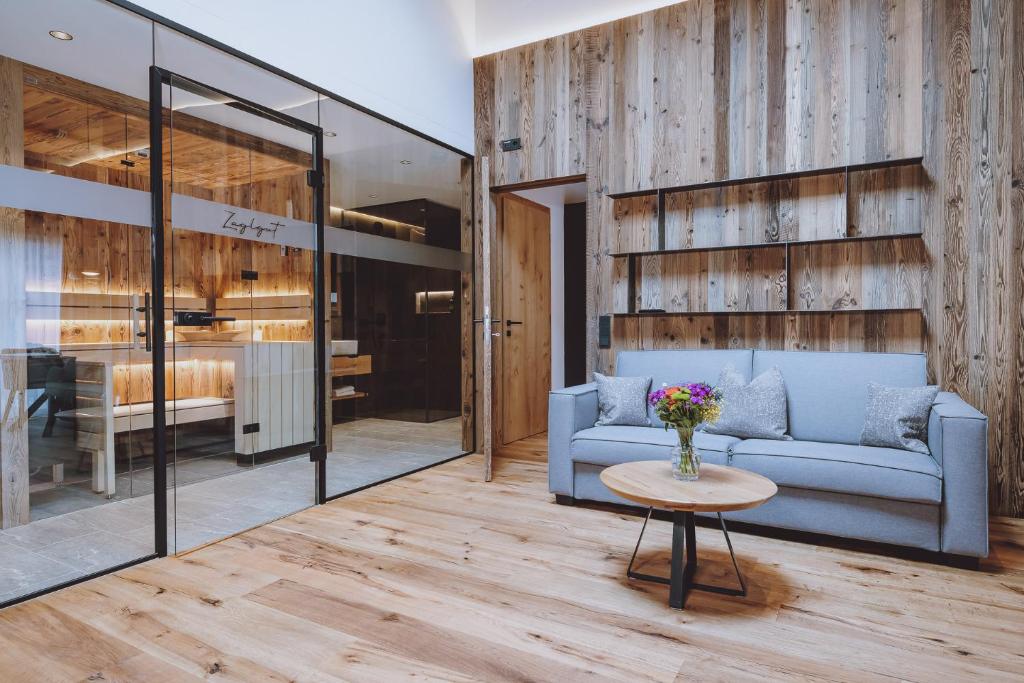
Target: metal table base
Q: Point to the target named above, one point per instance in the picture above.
(680, 581)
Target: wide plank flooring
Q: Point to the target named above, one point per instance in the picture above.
(439, 576)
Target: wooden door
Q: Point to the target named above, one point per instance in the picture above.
(526, 317)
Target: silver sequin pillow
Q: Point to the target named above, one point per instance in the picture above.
(897, 417)
(622, 400)
(752, 411)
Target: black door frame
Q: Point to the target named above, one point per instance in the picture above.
(159, 77)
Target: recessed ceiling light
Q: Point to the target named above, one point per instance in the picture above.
(90, 273)
(373, 196)
(62, 35)
(405, 162)
(330, 134)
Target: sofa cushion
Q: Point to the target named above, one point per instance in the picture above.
(612, 445)
(827, 392)
(897, 417)
(671, 366)
(622, 400)
(860, 470)
(751, 410)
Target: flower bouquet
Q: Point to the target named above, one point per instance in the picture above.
(684, 407)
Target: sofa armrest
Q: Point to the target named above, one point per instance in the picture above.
(958, 439)
(569, 410)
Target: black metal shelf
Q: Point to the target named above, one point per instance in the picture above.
(789, 175)
(777, 311)
(634, 256)
(763, 245)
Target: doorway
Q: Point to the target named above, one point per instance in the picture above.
(539, 301)
(237, 343)
(525, 367)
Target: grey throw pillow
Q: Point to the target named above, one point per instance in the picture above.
(622, 400)
(897, 417)
(752, 411)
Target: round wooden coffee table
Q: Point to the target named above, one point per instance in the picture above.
(719, 489)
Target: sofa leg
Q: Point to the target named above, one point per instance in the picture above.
(563, 499)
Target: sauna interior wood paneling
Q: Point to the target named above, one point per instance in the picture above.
(80, 130)
(707, 90)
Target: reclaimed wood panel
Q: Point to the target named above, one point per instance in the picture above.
(734, 280)
(874, 274)
(541, 88)
(711, 89)
(634, 224)
(704, 90)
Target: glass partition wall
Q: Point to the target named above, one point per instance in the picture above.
(96, 471)
(400, 210)
(240, 336)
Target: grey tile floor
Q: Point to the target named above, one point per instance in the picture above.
(66, 546)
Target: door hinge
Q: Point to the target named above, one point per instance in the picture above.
(314, 178)
(250, 275)
(251, 428)
(318, 454)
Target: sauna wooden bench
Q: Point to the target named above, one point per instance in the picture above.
(136, 416)
(261, 370)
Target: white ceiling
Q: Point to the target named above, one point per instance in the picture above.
(113, 48)
(570, 193)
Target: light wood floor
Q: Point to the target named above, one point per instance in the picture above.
(439, 576)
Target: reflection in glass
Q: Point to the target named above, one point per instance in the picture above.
(397, 314)
(77, 462)
(240, 289)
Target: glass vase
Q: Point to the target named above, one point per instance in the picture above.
(685, 459)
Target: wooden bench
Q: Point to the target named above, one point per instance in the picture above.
(93, 434)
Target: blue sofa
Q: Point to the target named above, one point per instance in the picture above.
(827, 483)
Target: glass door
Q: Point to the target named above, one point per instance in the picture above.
(239, 288)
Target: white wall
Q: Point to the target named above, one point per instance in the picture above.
(409, 60)
(501, 24)
(555, 198)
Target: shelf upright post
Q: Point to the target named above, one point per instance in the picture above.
(786, 274)
(631, 283)
(661, 220)
(846, 200)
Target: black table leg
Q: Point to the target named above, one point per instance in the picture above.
(680, 581)
(684, 535)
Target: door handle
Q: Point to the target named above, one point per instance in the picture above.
(198, 318)
(147, 330)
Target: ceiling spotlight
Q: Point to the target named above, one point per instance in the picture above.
(373, 196)
(405, 162)
(62, 35)
(330, 134)
(91, 273)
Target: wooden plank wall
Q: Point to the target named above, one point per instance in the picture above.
(708, 89)
(535, 93)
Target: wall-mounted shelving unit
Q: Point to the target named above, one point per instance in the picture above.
(634, 257)
(764, 245)
(778, 311)
(788, 175)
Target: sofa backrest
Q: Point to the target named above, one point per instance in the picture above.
(827, 391)
(681, 365)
